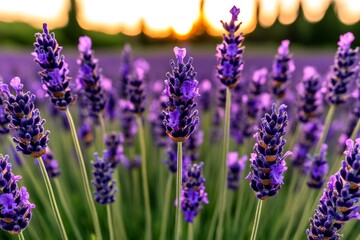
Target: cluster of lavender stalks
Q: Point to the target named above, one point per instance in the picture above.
(259, 108)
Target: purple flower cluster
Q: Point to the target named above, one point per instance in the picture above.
(15, 208)
(343, 71)
(54, 75)
(51, 165)
(126, 68)
(230, 52)
(192, 145)
(114, 149)
(310, 104)
(338, 204)
(282, 69)
(180, 116)
(25, 120)
(103, 180)
(89, 79)
(156, 121)
(318, 169)
(267, 162)
(4, 120)
(127, 119)
(235, 167)
(193, 194)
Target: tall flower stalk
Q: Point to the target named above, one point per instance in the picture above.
(180, 115)
(55, 79)
(229, 67)
(29, 134)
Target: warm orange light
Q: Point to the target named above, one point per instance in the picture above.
(268, 12)
(215, 10)
(184, 15)
(288, 11)
(157, 22)
(314, 10)
(35, 12)
(348, 11)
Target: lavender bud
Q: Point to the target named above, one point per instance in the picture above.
(318, 169)
(235, 167)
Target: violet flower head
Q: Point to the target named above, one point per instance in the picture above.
(235, 167)
(230, 52)
(126, 69)
(4, 120)
(54, 74)
(267, 161)
(25, 120)
(258, 81)
(193, 192)
(344, 70)
(136, 86)
(339, 203)
(89, 79)
(282, 69)
(103, 180)
(192, 145)
(51, 165)
(180, 115)
(114, 149)
(127, 120)
(171, 159)
(15, 207)
(318, 169)
(310, 104)
(156, 121)
(205, 99)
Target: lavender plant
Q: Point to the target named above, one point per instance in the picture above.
(235, 167)
(318, 169)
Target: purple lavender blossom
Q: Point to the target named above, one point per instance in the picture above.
(192, 145)
(171, 159)
(103, 180)
(282, 69)
(114, 149)
(4, 120)
(128, 123)
(51, 165)
(310, 106)
(180, 116)
(230, 52)
(193, 194)
(25, 120)
(343, 71)
(126, 69)
(136, 86)
(267, 162)
(15, 208)
(235, 167)
(338, 204)
(156, 121)
(89, 79)
(205, 98)
(318, 169)
(132, 164)
(54, 74)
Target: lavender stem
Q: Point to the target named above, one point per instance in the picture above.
(21, 236)
(190, 235)
(256, 220)
(85, 178)
(109, 218)
(165, 214)
(178, 222)
(328, 119)
(52, 198)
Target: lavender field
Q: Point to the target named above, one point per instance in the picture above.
(267, 137)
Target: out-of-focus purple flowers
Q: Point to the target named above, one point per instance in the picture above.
(338, 204)
(193, 194)
(4, 120)
(156, 121)
(25, 120)
(343, 71)
(114, 149)
(89, 79)
(318, 169)
(51, 165)
(235, 167)
(267, 162)
(103, 180)
(230, 52)
(192, 145)
(282, 69)
(54, 74)
(136, 86)
(15, 208)
(310, 104)
(180, 116)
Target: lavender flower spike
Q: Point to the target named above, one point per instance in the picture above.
(180, 116)
(235, 167)
(282, 69)
(25, 119)
(319, 168)
(51, 165)
(230, 52)
(267, 162)
(4, 120)
(343, 71)
(193, 194)
(103, 180)
(15, 208)
(338, 204)
(54, 74)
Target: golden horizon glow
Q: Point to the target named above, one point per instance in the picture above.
(288, 11)
(348, 11)
(268, 12)
(314, 10)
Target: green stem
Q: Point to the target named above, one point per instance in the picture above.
(213, 222)
(110, 224)
(21, 236)
(165, 215)
(355, 131)
(117, 208)
(256, 220)
(223, 187)
(295, 136)
(66, 208)
(324, 133)
(144, 177)
(52, 198)
(85, 178)
(190, 235)
(178, 221)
